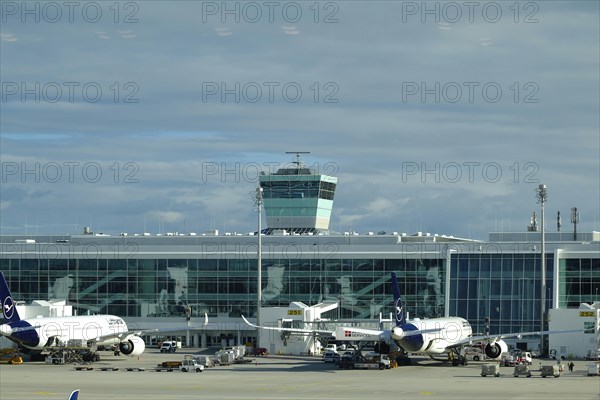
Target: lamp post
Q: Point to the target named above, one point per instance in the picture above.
(542, 196)
(258, 200)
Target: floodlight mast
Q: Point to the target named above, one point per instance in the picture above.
(258, 200)
(542, 196)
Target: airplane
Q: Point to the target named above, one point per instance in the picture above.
(37, 334)
(430, 337)
(74, 395)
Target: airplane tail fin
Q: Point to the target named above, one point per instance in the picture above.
(74, 395)
(398, 307)
(9, 308)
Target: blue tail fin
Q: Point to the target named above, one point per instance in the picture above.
(398, 308)
(9, 309)
(74, 395)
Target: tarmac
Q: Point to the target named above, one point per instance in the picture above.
(287, 377)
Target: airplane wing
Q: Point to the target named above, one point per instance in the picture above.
(293, 330)
(140, 332)
(170, 329)
(494, 338)
(74, 395)
(345, 332)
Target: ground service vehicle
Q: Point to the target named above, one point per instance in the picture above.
(331, 356)
(524, 357)
(261, 352)
(359, 361)
(473, 354)
(168, 346)
(190, 365)
(168, 366)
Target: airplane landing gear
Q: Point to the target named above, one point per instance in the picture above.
(457, 359)
(402, 358)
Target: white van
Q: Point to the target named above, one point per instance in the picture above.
(331, 347)
(331, 356)
(524, 357)
(168, 346)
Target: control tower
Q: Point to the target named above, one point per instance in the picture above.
(297, 198)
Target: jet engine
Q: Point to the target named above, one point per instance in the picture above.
(495, 350)
(397, 333)
(132, 346)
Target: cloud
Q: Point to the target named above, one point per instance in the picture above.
(223, 31)
(290, 30)
(127, 34)
(166, 216)
(102, 35)
(353, 112)
(8, 37)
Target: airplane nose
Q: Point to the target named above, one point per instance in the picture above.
(5, 330)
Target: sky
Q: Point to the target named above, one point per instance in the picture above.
(439, 117)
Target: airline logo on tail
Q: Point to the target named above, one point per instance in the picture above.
(399, 312)
(398, 308)
(8, 307)
(9, 311)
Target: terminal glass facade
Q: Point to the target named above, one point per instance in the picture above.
(579, 281)
(503, 287)
(167, 287)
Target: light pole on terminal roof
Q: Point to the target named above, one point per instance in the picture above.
(542, 196)
(258, 200)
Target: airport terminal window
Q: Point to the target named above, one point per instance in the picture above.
(507, 286)
(506, 265)
(486, 268)
(474, 266)
(290, 189)
(579, 281)
(5, 264)
(589, 327)
(327, 190)
(463, 266)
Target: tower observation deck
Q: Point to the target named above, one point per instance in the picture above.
(298, 199)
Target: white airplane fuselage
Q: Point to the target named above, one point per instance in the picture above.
(439, 335)
(48, 331)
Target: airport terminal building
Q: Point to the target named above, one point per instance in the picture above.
(154, 279)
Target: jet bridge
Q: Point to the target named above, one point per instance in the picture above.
(297, 315)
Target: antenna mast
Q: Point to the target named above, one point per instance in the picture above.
(298, 162)
(574, 221)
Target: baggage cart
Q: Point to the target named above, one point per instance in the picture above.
(550, 370)
(490, 369)
(522, 369)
